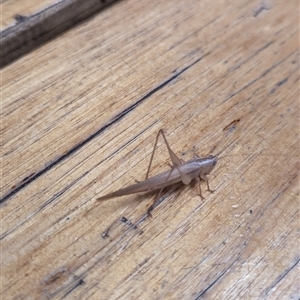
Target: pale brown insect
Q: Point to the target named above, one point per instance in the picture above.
(197, 168)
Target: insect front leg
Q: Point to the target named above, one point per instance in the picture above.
(205, 178)
(199, 187)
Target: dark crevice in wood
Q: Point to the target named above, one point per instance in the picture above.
(113, 121)
(30, 32)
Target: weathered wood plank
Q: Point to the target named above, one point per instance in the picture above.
(27, 26)
(15, 11)
(81, 114)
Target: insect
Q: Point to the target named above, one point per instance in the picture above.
(195, 169)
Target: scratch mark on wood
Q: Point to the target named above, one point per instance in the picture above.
(201, 294)
(258, 78)
(230, 127)
(56, 276)
(261, 9)
(128, 222)
(282, 275)
(26, 178)
(283, 81)
(78, 283)
(280, 83)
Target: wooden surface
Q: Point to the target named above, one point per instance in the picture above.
(26, 25)
(79, 119)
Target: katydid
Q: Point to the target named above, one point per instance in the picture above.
(197, 168)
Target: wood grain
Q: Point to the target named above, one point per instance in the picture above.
(27, 26)
(79, 118)
(15, 11)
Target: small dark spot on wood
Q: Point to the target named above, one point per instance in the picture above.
(250, 211)
(57, 275)
(282, 82)
(20, 18)
(124, 220)
(81, 282)
(13, 187)
(128, 222)
(213, 149)
(26, 178)
(230, 127)
(260, 9)
(143, 262)
(103, 1)
(105, 233)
